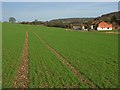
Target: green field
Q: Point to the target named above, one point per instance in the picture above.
(93, 54)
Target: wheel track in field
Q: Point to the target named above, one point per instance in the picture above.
(22, 79)
(81, 77)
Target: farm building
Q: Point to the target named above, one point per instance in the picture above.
(84, 28)
(80, 27)
(95, 26)
(104, 26)
(77, 27)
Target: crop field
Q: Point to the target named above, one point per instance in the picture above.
(56, 58)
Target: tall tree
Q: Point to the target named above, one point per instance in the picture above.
(12, 20)
(36, 22)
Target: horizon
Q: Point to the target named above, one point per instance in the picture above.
(45, 11)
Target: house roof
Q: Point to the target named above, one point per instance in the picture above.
(104, 25)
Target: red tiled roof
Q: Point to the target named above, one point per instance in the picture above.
(104, 25)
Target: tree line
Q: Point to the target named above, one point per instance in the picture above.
(62, 24)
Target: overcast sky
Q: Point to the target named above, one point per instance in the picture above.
(29, 11)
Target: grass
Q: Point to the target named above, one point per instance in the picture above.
(0, 55)
(93, 54)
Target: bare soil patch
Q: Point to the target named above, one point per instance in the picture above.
(81, 77)
(22, 79)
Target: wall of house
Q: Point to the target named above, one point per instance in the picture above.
(99, 29)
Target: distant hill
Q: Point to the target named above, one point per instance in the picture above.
(72, 20)
(69, 22)
(113, 18)
(105, 17)
(109, 16)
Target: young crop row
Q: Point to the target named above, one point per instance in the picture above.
(95, 55)
(12, 45)
(46, 70)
